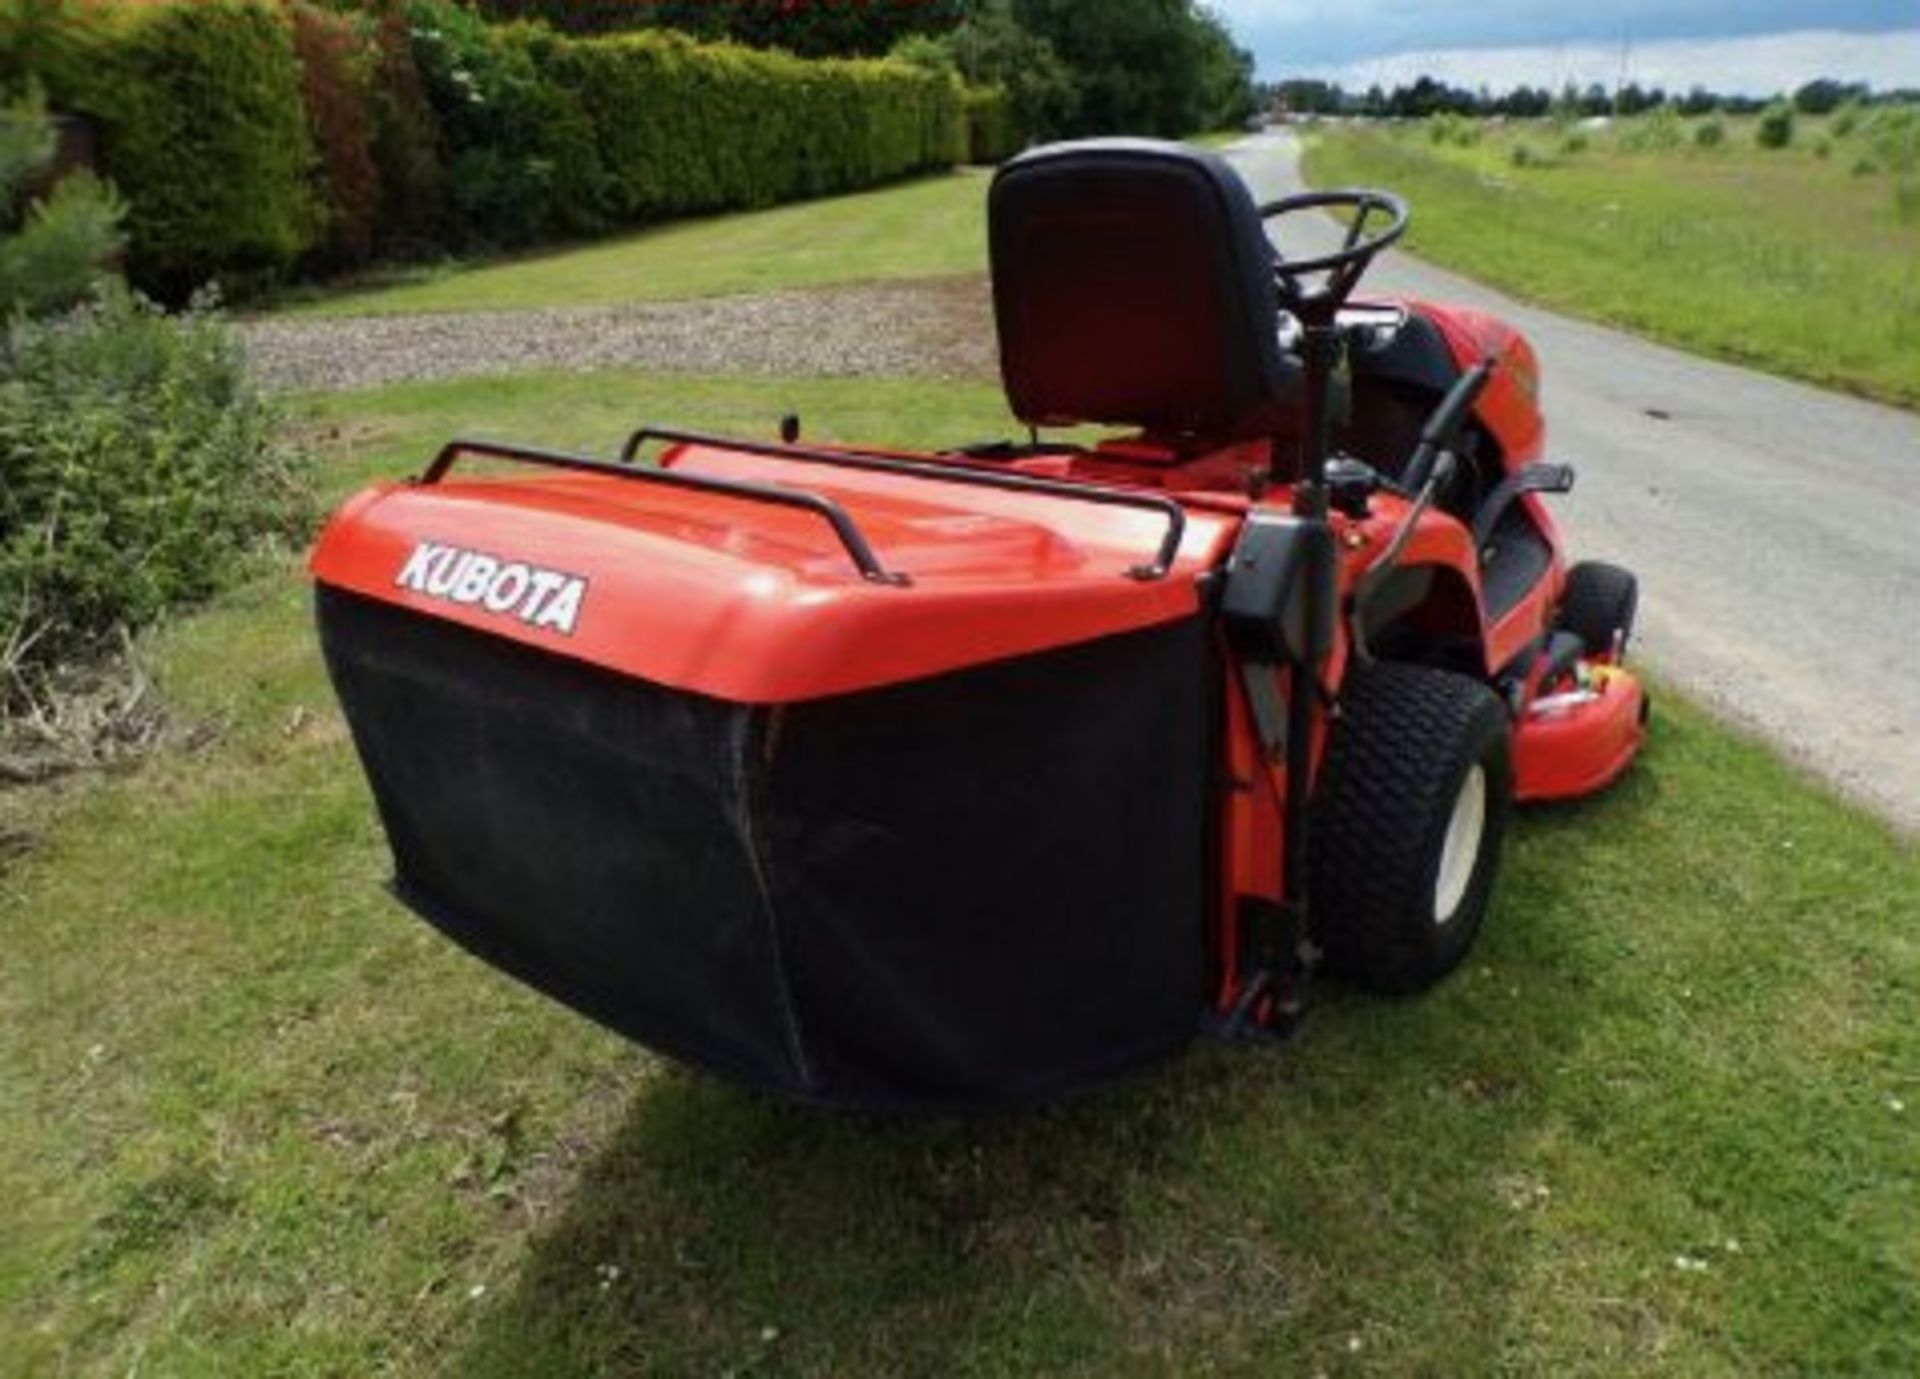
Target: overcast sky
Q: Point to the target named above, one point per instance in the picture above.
(1758, 45)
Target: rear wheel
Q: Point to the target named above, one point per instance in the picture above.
(1598, 607)
(1412, 808)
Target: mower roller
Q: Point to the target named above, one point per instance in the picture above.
(958, 779)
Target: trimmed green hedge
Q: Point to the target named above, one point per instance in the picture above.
(336, 73)
(478, 134)
(680, 127)
(993, 135)
(406, 140)
(203, 130)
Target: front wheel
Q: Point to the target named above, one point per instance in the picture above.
(1411, 811)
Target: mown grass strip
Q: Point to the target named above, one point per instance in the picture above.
(924, 228)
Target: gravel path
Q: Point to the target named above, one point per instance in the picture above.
(939, 327)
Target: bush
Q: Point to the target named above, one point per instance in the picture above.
(681, 127)
(1709, 134)
(1820, 96)
(520, 155)
(52, 247)
(140, 471)
(1775, 129)
(203, 132)
(1576, 142)
(992, 136)
(927, 53)
(336, 77)
(1845, 120)
(820, 28)
(1448, 128)
(1893, 133)
(436, 128)
(1657, 131)
(1525, 155)
(991, 48)
(546, 134)
(406, 139)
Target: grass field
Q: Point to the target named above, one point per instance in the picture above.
(924, 228)
(1788, 260)
(254, 1119)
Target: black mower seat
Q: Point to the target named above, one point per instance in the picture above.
(1133, 285)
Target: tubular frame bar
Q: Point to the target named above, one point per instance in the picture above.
(858, 549)
(1158, 568)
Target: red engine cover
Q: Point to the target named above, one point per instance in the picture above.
(760, 604)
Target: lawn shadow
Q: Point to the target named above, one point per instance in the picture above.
(1249, 1205)
(720, 1231)
(1232, 1196)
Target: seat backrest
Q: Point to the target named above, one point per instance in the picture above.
(1133, 285)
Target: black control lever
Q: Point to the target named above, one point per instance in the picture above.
(1539, 477)
(1443, 425)
(1440, 466)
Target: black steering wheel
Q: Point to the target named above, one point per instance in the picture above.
(1343, 267)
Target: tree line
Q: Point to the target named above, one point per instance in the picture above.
(1069, 67)
(1427, 95)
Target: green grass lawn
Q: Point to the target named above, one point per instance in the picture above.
(1786, 260)
(929, 227)
(255, 1119)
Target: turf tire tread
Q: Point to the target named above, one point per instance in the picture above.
(1405, 737)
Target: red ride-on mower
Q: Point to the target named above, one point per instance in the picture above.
(957, 779)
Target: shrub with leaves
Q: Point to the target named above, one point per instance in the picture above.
(682, 127)
(1775, 129)
(1654, 132)
(993, 135)
(1709, 133)
(203, 131)
(52, 245)
(138, 472)
(245, 134)
(406, 137)
(992, 49)
(1448, 128)
(336, 86)
(1893, 133)
(811, 28)
(520, 157)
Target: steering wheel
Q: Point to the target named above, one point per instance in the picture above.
(1344, 265)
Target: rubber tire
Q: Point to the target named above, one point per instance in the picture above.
(1600, 600)
(1400, 751)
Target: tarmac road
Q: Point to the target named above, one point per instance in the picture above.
(1775, 527)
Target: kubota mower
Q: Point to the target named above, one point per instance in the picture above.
(957, 779)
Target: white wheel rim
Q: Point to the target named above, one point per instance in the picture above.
(1461, 851)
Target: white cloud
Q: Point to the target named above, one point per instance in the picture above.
(1758, 65)
(1313, 35)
